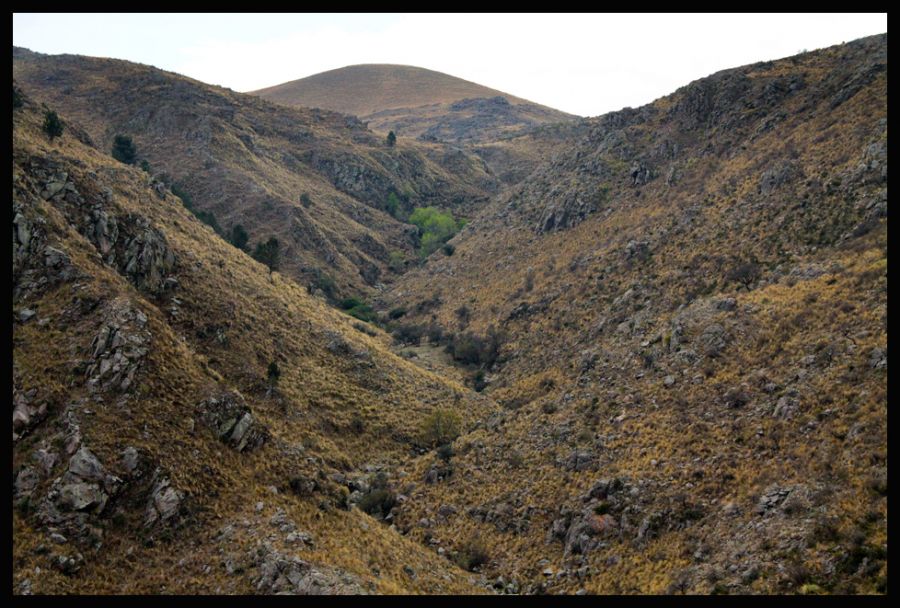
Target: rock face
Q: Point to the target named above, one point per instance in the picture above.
(119, 348)
(164, 501)
(284, 574)
(26, 414)
(146, 258)
(569, 212)
(229, 416)
(78, 498)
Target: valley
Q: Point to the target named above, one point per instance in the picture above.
(643, 353)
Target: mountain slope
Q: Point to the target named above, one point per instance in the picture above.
(692, 306)
(147, 436)
(250, 162)
(415, 102)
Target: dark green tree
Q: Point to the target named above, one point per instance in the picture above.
(305, 200)
(17, 98)
(123, 149)
(393, 204)
(391, 139)
(52, 125)
(273, 373)
(239, 237)
(268, 253)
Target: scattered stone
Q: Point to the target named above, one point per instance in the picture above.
(581, 460)
(25, 314)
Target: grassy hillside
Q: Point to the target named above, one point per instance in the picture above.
(415, 102)
(693, 369)
(149, 435)
(655, 361)
(318, 181)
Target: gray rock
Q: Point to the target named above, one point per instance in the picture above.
(130, 460)
(786, 407)
(581, 460)
(85, 465)
(164, 503)
(45, 459)
(68, 564)
(713, 340)
(878, 359)
(282, 574)
(81, 496)
(26, 314)
(26, 481)
(230, 418)
(726, 304)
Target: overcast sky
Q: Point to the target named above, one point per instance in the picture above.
(583, 64)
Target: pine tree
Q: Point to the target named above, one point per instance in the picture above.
(391, 139)
(268, 253)
(52, 125)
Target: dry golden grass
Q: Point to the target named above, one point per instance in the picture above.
(370, 88)
(267, 319)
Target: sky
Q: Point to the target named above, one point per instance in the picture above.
(585, 64)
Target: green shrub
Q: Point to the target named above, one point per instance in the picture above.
(397, 261)
(391, 139)
(124, 150)
(392, 205)
(478, 382)
(441, 427)
(449, 249)
(17, 98)
(380, 499)
(435, 228)
(239, 237)
(268, 253)
(207, 217)
(396, 313)
(145, 166)
(471, 554)
(358, 308)
(445, 452)
(273, 373)
(409, 334)
(305, 200)
(471, 349)
(324, 282)
(53, 126)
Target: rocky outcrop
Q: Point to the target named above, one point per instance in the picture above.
(164, 502)
(78, 497)
(229, 416)
(26, 412)
(146, 258)
(567, 211)
(284, 574)
(119, 348)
